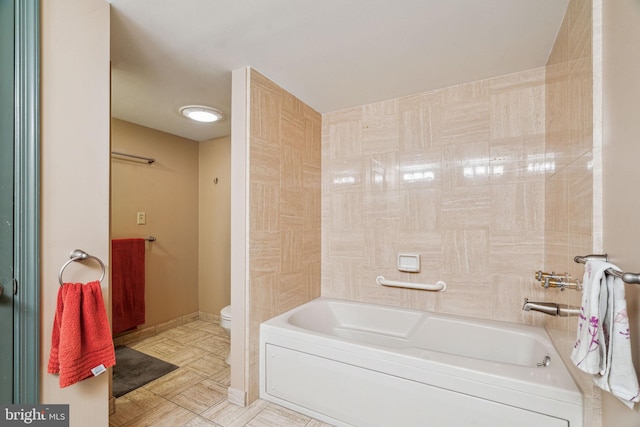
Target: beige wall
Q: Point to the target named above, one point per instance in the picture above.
(621, 153)
(454, 175)
(284, 205)
(167, 191)
(75, 175)
(215, 220)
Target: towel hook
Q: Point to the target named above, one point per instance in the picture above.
(79, 255)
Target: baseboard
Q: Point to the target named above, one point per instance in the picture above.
(237, 397)
(131, 337)
(112, 405)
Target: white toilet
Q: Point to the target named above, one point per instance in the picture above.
(225, 323)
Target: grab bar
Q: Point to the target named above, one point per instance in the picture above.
(626, 277)
(438, 286)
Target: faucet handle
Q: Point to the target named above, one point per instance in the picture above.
(555, 280)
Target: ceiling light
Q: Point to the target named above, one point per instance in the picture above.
(201, 113)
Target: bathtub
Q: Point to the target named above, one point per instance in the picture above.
(355, 364)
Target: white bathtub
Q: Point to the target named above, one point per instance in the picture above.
(356, 364)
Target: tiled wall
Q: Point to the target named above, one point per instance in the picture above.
(569, 185)
(456, 175)
(284, 194)
(572, 191)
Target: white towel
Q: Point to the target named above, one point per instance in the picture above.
(588, 354)
(603, 347)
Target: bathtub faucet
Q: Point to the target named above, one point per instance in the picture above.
(551, 308)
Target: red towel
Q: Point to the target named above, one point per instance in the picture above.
(81, 339)
(127, 284)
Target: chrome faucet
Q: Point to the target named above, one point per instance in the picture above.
(551, 308)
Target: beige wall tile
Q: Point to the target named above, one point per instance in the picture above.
(348, 139)
(466, 207)
(580, 28)
(285, 204)
(417, 129)
(464, 121)
(516, 252)
(520, 159)
(569, 186)
(518, 206)
(465, 251)
(447, 188)
(466, 164)
(419, 209)
(380, 133)
(560, 50)
(420, 168)
(518, 112)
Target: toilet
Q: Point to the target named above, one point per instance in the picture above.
(225, 323)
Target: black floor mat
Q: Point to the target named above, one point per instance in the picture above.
(134, 369)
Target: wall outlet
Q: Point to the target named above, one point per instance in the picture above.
(141, 218)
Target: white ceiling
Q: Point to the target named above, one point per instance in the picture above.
(332, 54)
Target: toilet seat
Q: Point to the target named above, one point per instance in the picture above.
(225, 313)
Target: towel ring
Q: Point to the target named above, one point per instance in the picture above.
(79, 255)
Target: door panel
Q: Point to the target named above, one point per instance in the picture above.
(6, 197)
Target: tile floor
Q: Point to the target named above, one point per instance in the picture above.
(195, 394)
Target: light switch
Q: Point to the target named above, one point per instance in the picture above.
(142, 218)
(409, 263)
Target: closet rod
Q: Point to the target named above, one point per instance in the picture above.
(147, 159)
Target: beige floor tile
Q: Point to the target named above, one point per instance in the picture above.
(199, 386)
(184, 334)
(199, 324)
(132, 404)
(276, 416)
(167, 414)
(213, 342)
(211, 328)
(158, 348)
(207, 365)
(186, 355)
(316, 423)
(222, 377)
(200, 421)
(174, 383)
(229, 415)
(201, 396)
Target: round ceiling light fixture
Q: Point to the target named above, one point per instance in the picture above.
(202, 113)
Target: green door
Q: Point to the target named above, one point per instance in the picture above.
(19, 201)
(6, 197)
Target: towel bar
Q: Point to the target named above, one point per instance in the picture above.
(149, 160)
(79, 255)
(626, 277)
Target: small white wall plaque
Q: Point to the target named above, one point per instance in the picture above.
(409, 263)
